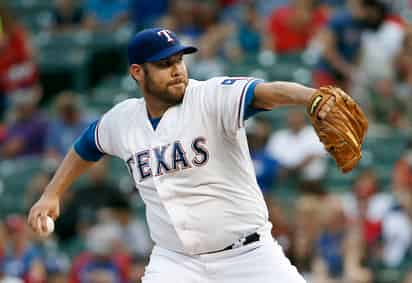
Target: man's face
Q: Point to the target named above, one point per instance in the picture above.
(357, 9)
(370, 15)
(166, 79)
(374, 17)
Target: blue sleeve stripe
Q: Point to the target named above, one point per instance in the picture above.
(85, 145)
(248, 109)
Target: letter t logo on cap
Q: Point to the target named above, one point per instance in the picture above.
(166, 33)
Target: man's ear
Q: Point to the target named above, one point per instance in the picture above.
(136, 71)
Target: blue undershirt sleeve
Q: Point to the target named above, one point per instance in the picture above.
(85, 145)
(249, 110)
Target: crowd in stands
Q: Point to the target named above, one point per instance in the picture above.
(361, 232)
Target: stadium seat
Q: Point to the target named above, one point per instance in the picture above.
(294, 58)
(386, 149)
(15, 176)
(337, 182)
(119, 175)
(30, 4)
(111, 91)
(17, 173)
(63, 62)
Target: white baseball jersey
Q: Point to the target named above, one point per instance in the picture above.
(194, 171)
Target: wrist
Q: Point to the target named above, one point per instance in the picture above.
(50, 192)
(307, 96)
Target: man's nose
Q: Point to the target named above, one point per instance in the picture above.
(177, 69)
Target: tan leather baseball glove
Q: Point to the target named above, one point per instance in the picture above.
(343, 128)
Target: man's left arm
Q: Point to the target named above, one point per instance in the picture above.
(274, 94)
(342, 133)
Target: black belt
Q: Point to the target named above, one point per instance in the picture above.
(242, 242)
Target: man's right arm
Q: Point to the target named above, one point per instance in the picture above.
(80, 158)
(69, 170)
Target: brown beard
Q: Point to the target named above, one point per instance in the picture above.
(164, 95)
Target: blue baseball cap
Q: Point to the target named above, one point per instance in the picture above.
(154, 44)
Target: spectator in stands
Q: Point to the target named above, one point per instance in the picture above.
(67, 15)
(64, 129)
(145, 13)
(181, 18)
(397, 222)
(228, 3)
(408, 277)
(211, 35)
(207, 15)
(57, 277)
(266, 7)
(212, 30)
(106, 15)
(17, 68)
(397, 231)
(267, 168)
(2, 240)
(206, 62)
(102, 262)
(384, 105)
(341, 40)
(381, 42)
(402, 172)
(26, 135)
(55, 260)
(35, 187)
(403, 61)
(330, 245)
(403, 73)
(340, 251)
(366, 205)
(2, 132)
(4, 278)
(334, 5)
(249, 33)
(292, 27)
(22, 259)
(137, 269)
(313, 187)
(298, 149)
(373, 216)
(74, 210)
(2, 251)
(356, 261)
(198, 21)
(281, 229)
(134, 233)
(306, 230)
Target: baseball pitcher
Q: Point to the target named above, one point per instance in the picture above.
(185, 146)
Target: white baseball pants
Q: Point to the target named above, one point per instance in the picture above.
(259, 262)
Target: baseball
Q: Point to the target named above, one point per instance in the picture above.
(50, 226)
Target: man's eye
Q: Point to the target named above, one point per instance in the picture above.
(163, 64)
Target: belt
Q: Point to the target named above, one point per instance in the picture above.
(242, 242)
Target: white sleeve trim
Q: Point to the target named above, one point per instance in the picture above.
(96, 138)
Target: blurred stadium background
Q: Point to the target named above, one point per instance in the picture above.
(63, 63)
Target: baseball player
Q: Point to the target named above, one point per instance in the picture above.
(185, 146)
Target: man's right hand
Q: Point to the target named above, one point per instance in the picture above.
(47, 205)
